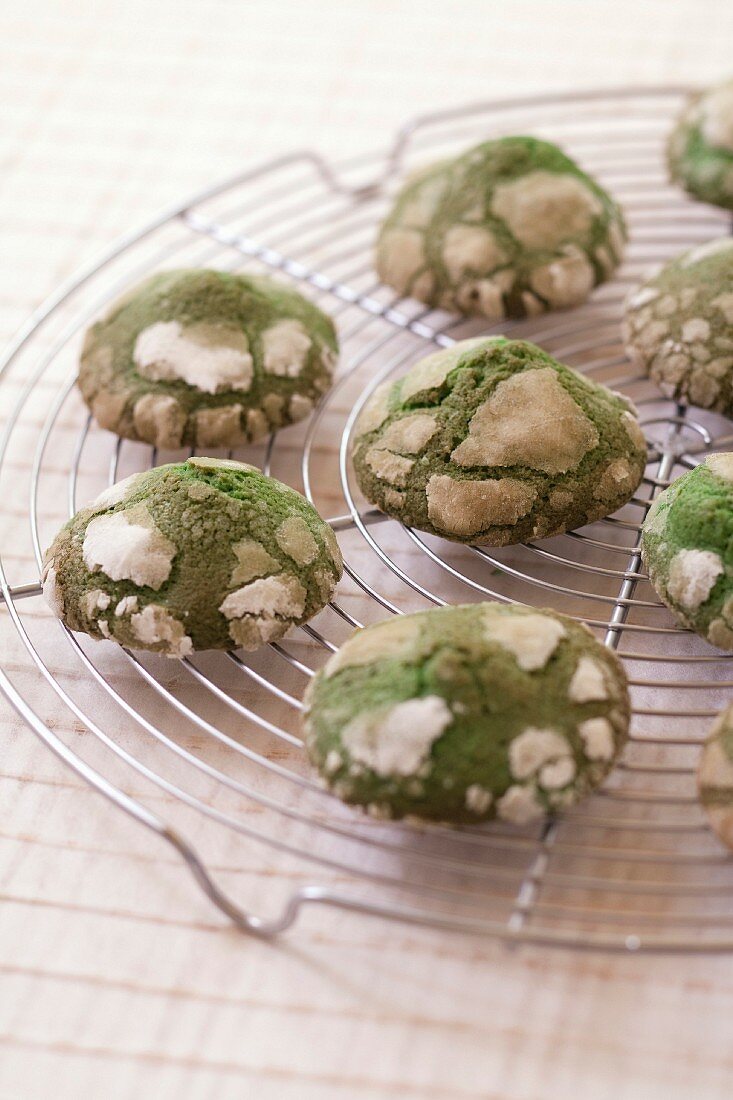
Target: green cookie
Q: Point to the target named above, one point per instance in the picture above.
(678, 327)
(206, 359)
(493, 441)
(462, 714)
(204, 554)
(508, 229)
(715, 776)
(687, 547)
(700, 148)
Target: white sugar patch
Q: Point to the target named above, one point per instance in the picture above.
(125, 606)
(155, 625)
(588, 683)
(470, 248)
(388, 466)
(721, 465)
(51, 592)
(532, 639)
(294, 537)
(564, 282)
(531, 420)
(375, 411)
(396, 741)
(554, 776)
(692, 577)
(400, 256)
(94, 601)
(543, 209)
(643, 297)
(285, 348)
(298, 408)
(221, 464)
(393, 639)
(597, 737)
(519, 806)
(533, 748)
(467, 507)
(724, 303)
(333, 762)
(433, 370)
(209, 359)
(410, 434)
(252, 561)
(268, 596)
(477, 799)
(128, 550)
(697, 328)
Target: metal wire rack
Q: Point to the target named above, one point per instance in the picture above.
(215, 739)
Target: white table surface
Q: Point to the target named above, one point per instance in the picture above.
(117, 980)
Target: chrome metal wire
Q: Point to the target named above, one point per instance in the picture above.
(215, 739)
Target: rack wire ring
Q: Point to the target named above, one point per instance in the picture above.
(634, 867)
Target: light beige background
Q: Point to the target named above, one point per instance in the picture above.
(116, 979)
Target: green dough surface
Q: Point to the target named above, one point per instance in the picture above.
(510, 228)
(678, 327)
(207, 359)
(462, 714)
(700, 147)
(204, 554)
(715, 776)
(687, 547)
(493, 441)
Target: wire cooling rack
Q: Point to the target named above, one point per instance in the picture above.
(215, 740)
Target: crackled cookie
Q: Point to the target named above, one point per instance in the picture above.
(715, 776)
(700, 148)
(493, 441)
(208, 359)
(508, 229)
(462, 714)
(678, 327)
(687, 547)
(203, 554)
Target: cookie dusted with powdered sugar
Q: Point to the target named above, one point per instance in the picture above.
(510, 228)
(678, 327)
(462, 714)
(207, 359)
(493, 441)
(700, 148)
(204, 554)
(715, 776)
(687, 547)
